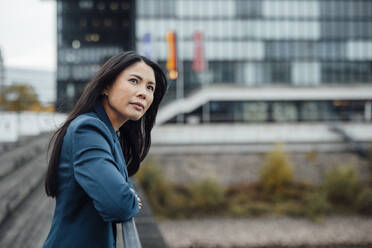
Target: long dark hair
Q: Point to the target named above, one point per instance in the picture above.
(134, 136)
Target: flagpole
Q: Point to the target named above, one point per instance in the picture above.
(199, 67)
(180, 87)
(175, 69)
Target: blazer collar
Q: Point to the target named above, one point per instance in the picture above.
(102, 115)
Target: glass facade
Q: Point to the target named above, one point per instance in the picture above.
(265, 43)
(286, 111)
(256, 42)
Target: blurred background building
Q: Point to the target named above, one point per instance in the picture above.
(2, 75)
(88, 33)
(245, 61)
(40, 80)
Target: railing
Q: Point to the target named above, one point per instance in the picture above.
(355, 146)
(258, 105)
(130, 235)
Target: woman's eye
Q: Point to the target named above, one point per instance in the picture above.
(151, 88)
(133, 80)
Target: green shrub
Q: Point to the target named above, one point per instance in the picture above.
(174, 201)
(238, 211)
(158, 191)
(258, 208)
(277, 173)
(236, 204)
(364, 201)
(317, 205)
(177, 205)
(150, 175)
(311, 156)
(250, 209)
(239, 198)
(341, 185)
(207, 196)
(370, 163)
(290, 208)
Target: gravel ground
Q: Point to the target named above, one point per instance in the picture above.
(267, 232)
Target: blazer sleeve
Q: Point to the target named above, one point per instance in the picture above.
(96, 172)
(131, 185)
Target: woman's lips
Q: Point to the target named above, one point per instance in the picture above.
(138, 106)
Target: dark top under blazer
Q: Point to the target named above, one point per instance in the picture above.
(93, 186)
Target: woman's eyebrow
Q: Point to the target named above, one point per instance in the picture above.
(137, 76)
(140, 78)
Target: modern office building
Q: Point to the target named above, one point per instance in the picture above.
(2, 74)
(266, 60)
(89, 32)
(237, 60)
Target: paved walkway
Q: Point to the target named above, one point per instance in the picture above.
(268, 232)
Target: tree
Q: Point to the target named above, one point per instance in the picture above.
(20, 97)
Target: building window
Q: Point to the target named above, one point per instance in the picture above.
(284, 112)
(156, 8)
(101, 6)
(86, 4)
(305, 50)
(346, 29)
(255, 111)
(290, 9)
(223, 71)
(205, 8)
(114, 6)
(346, 72)
(346, 9)
(331, 50)
(248, 9)
(281, 72)
(314, 111)
(70, 90)
(225, 111)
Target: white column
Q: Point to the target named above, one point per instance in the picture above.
(367, 111)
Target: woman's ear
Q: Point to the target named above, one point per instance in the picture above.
(105, 92)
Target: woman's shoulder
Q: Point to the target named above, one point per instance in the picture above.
(88, 131)
(88, 122)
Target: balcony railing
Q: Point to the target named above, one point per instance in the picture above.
(130, 235)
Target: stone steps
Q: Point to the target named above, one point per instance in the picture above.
(25, 210)
(29, 224)
(20, 156)
(18, 185)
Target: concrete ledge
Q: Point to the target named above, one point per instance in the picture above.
(337, 231)
(264, 133)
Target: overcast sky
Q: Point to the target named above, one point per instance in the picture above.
(28, 33)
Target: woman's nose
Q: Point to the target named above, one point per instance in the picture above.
(141, 92)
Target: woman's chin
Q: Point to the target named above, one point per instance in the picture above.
(136, 117)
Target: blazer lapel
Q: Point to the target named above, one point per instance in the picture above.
(101, 113)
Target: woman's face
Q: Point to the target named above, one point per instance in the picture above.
(130, 95)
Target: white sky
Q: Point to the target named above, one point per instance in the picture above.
(28, 33)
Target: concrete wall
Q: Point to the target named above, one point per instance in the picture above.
(13, 124)
(264, 133)
(230, 169)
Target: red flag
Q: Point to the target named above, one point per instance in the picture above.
(198, 63)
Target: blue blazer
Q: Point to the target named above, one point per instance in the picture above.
(93, 187)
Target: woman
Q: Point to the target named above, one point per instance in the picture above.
(101, 144)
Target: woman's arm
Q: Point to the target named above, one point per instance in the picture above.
(96, 172)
